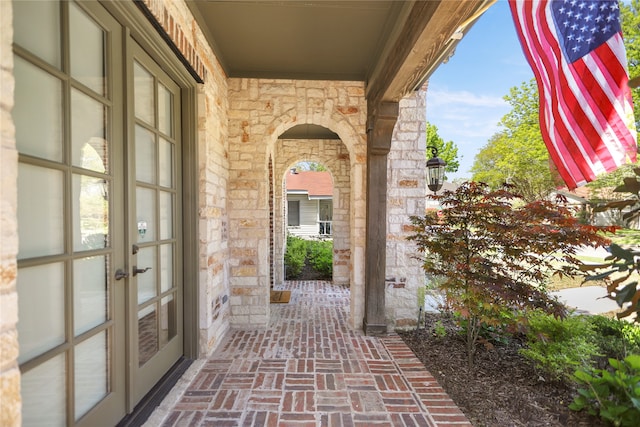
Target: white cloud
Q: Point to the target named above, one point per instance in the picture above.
(465, 118)
(438, 97)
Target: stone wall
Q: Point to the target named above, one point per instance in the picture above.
(335, 157)
(406, 196)
(10, 403)
(260, 110)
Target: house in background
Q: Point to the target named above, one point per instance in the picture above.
(431, 203)
(309, 203)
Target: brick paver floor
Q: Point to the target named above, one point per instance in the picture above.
(309, 368)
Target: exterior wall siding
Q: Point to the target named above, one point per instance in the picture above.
(308, 217)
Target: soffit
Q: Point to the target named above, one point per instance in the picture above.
(317, 40)
(390, 45)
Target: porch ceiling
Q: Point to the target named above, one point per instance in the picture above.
(391, 45)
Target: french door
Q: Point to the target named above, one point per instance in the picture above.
(99, 270)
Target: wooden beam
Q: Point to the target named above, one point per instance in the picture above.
(379, 133)
(425, 34)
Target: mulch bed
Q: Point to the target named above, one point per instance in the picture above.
(503, 389)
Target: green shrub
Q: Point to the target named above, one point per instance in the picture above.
(631, 332)
(559, 346)
(615, 338)
(612, 394)
(320, 254)
(294, 256)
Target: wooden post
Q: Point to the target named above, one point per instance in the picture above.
(381, 121)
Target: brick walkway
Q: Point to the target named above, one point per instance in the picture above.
(310, 369)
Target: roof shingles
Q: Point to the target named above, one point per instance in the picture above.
(315, 183)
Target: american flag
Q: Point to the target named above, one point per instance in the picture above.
(578, 58)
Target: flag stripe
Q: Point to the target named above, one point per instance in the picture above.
(584, 104)
(535, 34)
(570, 98)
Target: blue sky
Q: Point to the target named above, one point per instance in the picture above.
(465, 95)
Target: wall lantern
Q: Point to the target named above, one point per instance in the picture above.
(435, 170)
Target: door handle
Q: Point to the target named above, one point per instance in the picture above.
(137, 270)
(121, 274)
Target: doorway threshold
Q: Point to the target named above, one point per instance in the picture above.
(152, 400)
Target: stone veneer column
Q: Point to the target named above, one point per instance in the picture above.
(405, 197)
(379, 131)
(10, 402)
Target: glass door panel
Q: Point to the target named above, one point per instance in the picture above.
(157, 250)
(146, 214)
(40, 95)
(168, 324)
(40, 211)
(147, 288)
(42, 314)
(43, 391)
(90, 295)
(88, 139)
(143, 92)
(145, 155)
(91, 377)
(90, 213)
(71, 311)
(36, 27)
(87, 45)
(147, 334)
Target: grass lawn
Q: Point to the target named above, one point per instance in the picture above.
(623, 237)
(626, 237)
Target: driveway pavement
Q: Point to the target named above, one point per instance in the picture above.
(587, 299)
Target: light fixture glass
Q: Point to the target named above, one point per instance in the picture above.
(435, 171)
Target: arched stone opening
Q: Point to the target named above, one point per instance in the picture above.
(333, 154)
(260, 112)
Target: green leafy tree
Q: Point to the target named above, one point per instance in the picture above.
(447, 151)
(517, 154)
(622, 266)
(494, 258)
(630, 15)
(311, 166)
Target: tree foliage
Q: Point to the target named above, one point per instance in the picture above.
(311, 166)
(493, 258)
(630, 16)
(517, 154)
(447, 151)
(622, 266)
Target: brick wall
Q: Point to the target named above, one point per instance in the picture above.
(10, 403)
